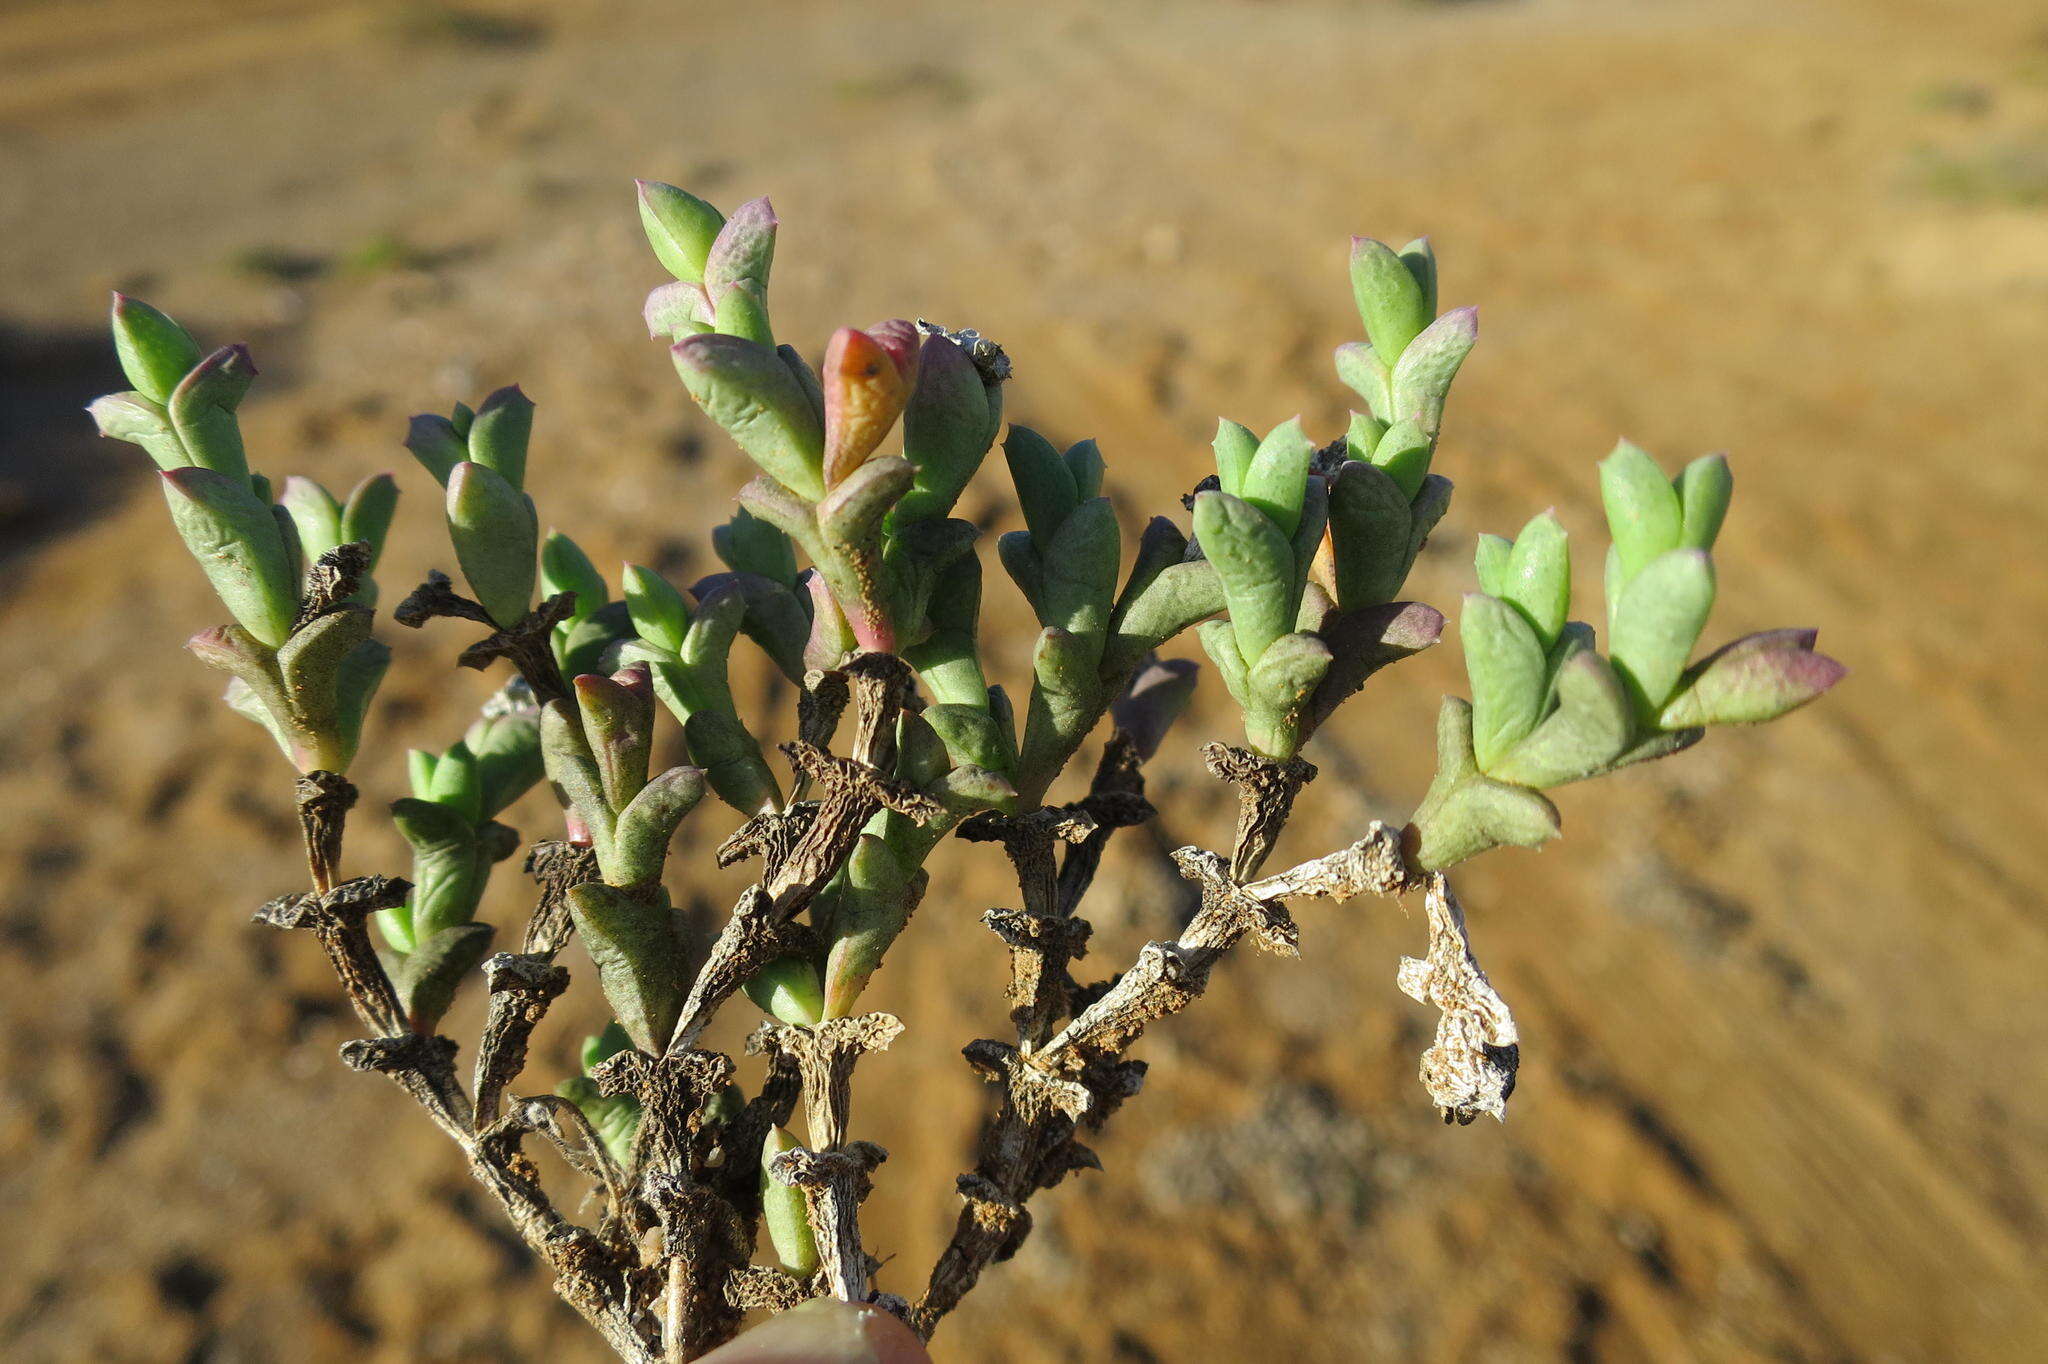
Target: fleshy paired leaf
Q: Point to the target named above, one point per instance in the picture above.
(1370, 525)
(436, 444)
(314, 512)
(638, 949)
(1364, 640)
(429, 975)
(618, 725)
(1255, 564)
(1704, 490)
(500, 433)
(448, 870)
(1045, 487)
(1644, 517)
(506, 749)
(1590, 728)
(744, 250)
(155, 352)
(788, 989)
(660, 615)
(1510, 676)
(1360, 368)
(784, 1212)
(742, 310)
(1422, 378)
(679, 226)
(1754, 679)
(1466, 811)
(872, 902)
(1403, 453)
(1175, 599)
(1275, 480)
(238, 544)
(497, 539)
(776, 619)
(1657, 620)
(202, 411)
(747, 388)
(1235, 447)
(1392, 301)
(649, 820)
(1537, 578)
(1080, 571)
(366, 516)
(748, 544)
(564, 567)
(139, 420)
(676, 310)
(948, 425)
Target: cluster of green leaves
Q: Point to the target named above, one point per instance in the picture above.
(1299, 556)
(434, 940)
(1548, 708)
(307, 681)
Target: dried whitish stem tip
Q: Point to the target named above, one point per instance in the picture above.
(1470, 1068)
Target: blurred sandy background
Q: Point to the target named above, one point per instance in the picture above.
(1783, 1091)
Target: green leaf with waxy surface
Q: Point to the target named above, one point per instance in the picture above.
(1757, 678)
(1422, 378)
(564, 567)
(1643, 512)
(1369, 533)
(1045, 487)
(237, 543)
(784, 1211)
(1278, 472)
(155, 352)
(1361, 368)
(1509, 674)
(366, 517)
(202, 411)
(1404, 451)
(638, 949)
(1235, 446)
(436, 444)
(429, 975)
(679, 226)
(1538, 579)
(497, 539)
(500, 433)
(1590, 728)
(140, 421)
(747, 388)
(946, 430)
(1658, 620)
(749, 544)
(647, 823)
(744, 250)
(1704, 490)
(1391, 300)
(660, 615)
(1256, 565)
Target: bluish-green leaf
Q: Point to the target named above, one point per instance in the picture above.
(202, 411)
(501, 432)
(747, 388)
(1657, 622)
(496, 537)
(679, 226)
(1278, 473)
(1538, 580)
(1643, 513)
(155, 352)
(1505, 662)
(1390, 298)
(639, 955)
(236, 541)
(1235, 446)
(1422, 378)
(1704, 489)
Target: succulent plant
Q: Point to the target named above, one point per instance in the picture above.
(845, 566)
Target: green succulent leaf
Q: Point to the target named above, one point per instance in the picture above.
(638, 949)
(155, 352)
(500, 433)
(1510, 676)
(1278, 474)
(236, 540)
(679, 226)
(1391, 300)
(497, 538)
(1256, 565)
(1422, 377)
(1643, 512)
(1658, 620)
(1704, 490)
(1590, 728)
(749, 390)
(1538, 579)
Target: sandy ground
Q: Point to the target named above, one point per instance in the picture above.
(1781, 998)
